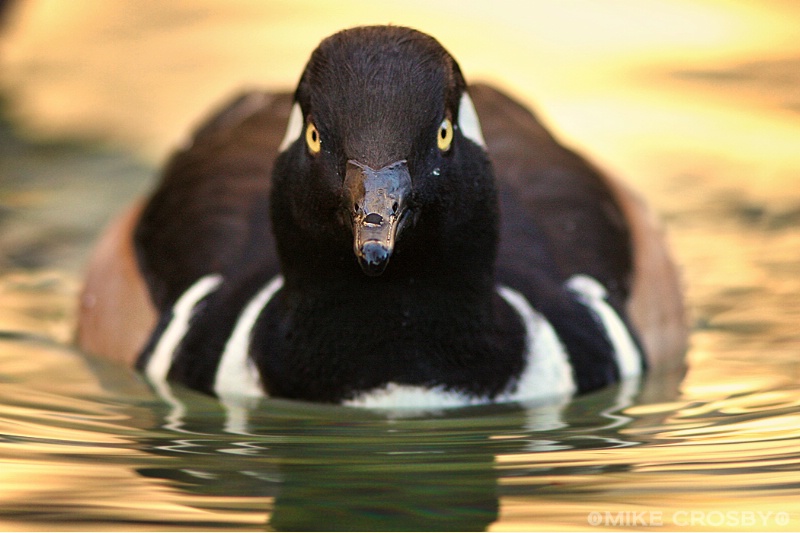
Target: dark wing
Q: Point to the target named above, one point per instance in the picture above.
(210, 213)
(559, 218)
(557, 211)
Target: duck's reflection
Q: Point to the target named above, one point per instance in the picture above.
(330, 468)
(391, 485)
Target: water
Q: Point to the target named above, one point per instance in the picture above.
(695, 103)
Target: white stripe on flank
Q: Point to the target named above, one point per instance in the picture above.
(468, 121)
(294, 128)
(592, 294)
(161, 358)
(236, 373)
(548, 372)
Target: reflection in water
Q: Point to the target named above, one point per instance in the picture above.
(695, 102)
(185, 458)
(395, 484)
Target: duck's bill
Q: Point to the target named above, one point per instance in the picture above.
(378, 199)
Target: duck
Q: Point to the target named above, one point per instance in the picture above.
(384, 236)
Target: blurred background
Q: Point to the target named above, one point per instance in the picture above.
(622, 78)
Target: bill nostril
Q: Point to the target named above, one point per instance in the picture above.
(373, 218)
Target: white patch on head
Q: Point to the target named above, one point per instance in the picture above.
(161, 359)
(294, 128)
(236, 372)
(468, 121)
(548, 372)
(593, 295)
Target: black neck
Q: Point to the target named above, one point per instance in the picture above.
(329, 341)
(433, 317)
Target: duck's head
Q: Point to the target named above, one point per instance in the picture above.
(383, 151)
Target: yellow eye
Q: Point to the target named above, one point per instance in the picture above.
(312, 139)
(445, 136)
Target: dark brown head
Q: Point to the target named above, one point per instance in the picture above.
(379, 139)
